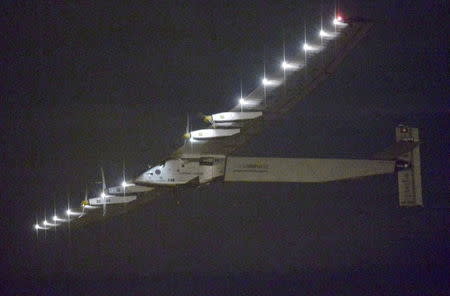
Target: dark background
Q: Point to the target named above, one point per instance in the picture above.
(99, 82)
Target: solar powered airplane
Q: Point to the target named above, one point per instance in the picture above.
(207, 154)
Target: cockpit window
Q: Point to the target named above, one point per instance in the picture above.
(158, 172)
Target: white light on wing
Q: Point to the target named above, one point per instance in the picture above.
(288, 66)
(46, 223)
(57, 219)
(269, 82)
(338, 22)
(307, 47)
(325, 34)
(69, 212)
(37, 227)
(247, 102)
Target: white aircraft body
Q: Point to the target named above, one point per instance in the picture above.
(206, 155)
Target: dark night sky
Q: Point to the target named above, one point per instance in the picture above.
(91, 84)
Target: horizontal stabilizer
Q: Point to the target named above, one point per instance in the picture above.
(257, 169)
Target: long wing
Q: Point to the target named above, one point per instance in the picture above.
(277, 101)
(96, 215)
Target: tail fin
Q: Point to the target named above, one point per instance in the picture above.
(407, 154)
(409, 180)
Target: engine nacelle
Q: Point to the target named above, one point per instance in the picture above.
(128, 188)
(212, 133)
(232, 116)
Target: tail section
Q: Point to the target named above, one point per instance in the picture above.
(406, 153)
(402, 158)
(409, 179)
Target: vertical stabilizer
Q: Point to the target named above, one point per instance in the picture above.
(409, 179)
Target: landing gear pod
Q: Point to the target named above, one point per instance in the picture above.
(111, 199)
(232, 116)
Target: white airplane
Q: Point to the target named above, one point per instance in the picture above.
(206, 156)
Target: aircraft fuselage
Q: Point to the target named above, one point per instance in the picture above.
(184, 170)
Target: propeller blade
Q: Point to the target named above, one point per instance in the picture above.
(85, 198)
(205, 118)
(103, 190)
(103, 179)
(54, 211)
(124, 180)
(201, 115)
(187, 134)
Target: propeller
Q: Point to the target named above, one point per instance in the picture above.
(206, 118)
(36, 227)
(124, 182)
(54, 212)
(85, 202)
(103, 194)
(187, 134)
(45, 222)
